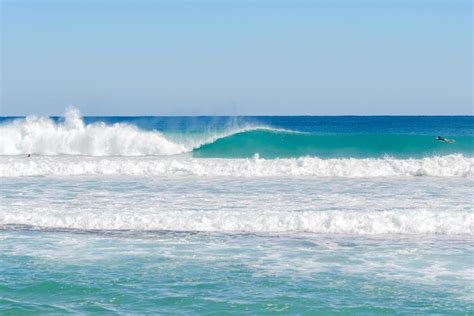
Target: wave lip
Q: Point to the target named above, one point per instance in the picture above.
(404, 222)
(442, 166)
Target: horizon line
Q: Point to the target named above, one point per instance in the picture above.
(258, 115)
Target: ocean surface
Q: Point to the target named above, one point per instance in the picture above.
(236, 215)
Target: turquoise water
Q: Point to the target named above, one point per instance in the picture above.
(274, 144)
(232, 216)
(169, 273)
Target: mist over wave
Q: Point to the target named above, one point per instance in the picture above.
(444, 166)
(71, 136)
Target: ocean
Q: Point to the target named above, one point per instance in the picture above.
(304, 215)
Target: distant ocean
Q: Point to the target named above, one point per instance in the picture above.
(237, 215)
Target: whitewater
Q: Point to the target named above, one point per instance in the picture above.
(43, 136)
(71, 148)
(446, 166)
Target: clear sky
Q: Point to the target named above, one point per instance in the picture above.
(327, 57)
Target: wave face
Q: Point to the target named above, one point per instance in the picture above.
(445, 166)
(273, 144)
(218, 138)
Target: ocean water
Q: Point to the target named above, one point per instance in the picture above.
(236, 215)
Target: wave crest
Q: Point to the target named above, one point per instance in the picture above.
(43, 136)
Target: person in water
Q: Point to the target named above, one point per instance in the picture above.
(442, 139)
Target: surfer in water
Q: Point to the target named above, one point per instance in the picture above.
(442, 139)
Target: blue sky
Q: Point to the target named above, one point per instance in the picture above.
(147, 57)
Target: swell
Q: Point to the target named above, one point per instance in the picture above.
(439, 166)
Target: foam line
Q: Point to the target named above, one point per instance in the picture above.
(324, 222)
(443, 166)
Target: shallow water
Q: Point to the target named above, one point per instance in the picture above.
(138, 216)
(226, 245)
(149, 272)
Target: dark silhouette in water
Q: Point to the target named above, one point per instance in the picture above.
(442, 139)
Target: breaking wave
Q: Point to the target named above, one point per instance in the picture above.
(43, 136)
(71, 136)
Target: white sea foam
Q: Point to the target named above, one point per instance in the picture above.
(324, 222)
(42, 136)
(443, 166)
